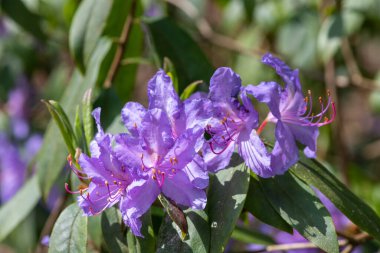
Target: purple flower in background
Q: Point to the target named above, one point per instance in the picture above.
(233, 123)
(108, 177)
(12, 169)
(161, 147)
(17, 108)
(292, 114)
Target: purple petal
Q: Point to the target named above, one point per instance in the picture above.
(96, 114)
(254, 153)
(216, 162)
(98, 197)
(196, 171)
(156, 132)
(307, 135)
(252, 116)
(269, 93)
(128, 150)
(289, 76)
(285, 151)
(162, 95)
(183, 149)
(139, 197)
(132, 115)
(180, 189)
(224, 84)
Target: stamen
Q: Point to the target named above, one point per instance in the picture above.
(262, 126)
(74, 192)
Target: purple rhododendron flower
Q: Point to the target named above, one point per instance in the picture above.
(232, 123)
(161, 147)
(108, 176)
(12, 169)
(292, 114)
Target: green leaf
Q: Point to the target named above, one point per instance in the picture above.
(87, 120)
(314, 173)
(170, 70)
(95, 236)
(197, 239)
(141, 245)
(246, 235)
(227, 192)
(117, 72)
(258, 205)
(330, 36)
(190, 89)
(16, 209)
(170, 41)
(298, 205)
(52, 155)
(67, 135)
(69, 231)
(86, 28)
(28, 20)
(113, 231)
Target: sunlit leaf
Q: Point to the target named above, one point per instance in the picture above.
(227, 192)
(315, 174)
(69, 231)
(298, 205)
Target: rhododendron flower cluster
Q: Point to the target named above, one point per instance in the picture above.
(170, 147)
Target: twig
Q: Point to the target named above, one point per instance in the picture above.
(121, 45)
(294, 246)
(337, 127)
(48, 227)
(208, 33)
(356, 76)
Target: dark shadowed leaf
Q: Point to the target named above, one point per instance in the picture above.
(28, 20)
(70, 231)
(258, 205)
(114, 232)
(298, 205)
(315, 174)
(227, 192)
(197, 239)
(16, 209)
(170, 41)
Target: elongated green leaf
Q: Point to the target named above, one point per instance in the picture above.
(170, 41)
(86, 29)
(257, 204)
(88, 126)
(28, 20)
(298, 205)
(315, 174)
(175, 213)
(197, 240)
(70, 231)
(16, 209)
(141, 245)
(190, 89)
(227, 192)
(114, 233)
(246, 235)
(52, 155)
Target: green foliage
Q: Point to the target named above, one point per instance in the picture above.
(69, 232)
(314, 173)
(169, 40)
(24, 202)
